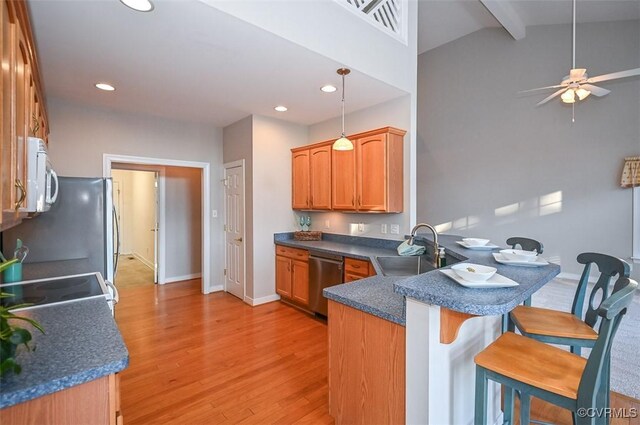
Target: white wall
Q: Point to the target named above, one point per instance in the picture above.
(272, 141)
(329, 29)
(396, 113)
(492, 164)
(81, 134)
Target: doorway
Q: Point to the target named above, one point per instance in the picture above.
(194, 209)
(234, 226)
(136, 200)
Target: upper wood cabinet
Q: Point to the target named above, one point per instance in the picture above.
(22, 108)
(311, 177)
(343, 183)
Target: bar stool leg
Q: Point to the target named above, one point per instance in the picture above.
(509, 396)
(525, 408)
(527, 302)
(481, 397)
(576, 349)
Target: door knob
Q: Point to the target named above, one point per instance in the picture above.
(238, 239)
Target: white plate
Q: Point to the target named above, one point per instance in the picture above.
(539, 261)
(486, 247)
(496, 281)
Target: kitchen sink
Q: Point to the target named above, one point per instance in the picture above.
(409, 265)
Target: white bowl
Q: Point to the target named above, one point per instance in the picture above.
(518, 255)
(473, 272)
(475, 241)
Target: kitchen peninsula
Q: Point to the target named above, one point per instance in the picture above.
(425, 328)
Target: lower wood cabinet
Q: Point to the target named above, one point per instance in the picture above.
(292, 274)
(355, 269)
(94, 402)
(366, 367)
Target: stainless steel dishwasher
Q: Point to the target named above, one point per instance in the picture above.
(324, 270)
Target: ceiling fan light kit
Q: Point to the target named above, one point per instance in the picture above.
(577, 85)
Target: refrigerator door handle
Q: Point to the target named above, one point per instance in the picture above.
(116, 296)
(117, 254)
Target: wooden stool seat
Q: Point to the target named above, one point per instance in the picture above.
(542, 321)
(534, 363)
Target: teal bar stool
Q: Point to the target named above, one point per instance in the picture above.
(536, 369)
(574, 329)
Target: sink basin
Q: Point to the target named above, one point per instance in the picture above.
(409, 265)
(405, 266)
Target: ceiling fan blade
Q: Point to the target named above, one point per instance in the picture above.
(543, 88)
(596, 91)
(615, 75)
(577, 73)
(546, 99)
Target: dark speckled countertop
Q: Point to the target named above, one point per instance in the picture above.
(384, 296)
(81, 343)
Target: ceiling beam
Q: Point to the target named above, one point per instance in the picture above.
(507, 16)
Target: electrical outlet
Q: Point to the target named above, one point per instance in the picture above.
(214, 213)
(360, 227)
(327, 224)
(383, 229)
(395, 229)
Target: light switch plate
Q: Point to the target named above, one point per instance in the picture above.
(360, 227)
(383, 228)
(214, 213)
(395, 229)
(327, 224)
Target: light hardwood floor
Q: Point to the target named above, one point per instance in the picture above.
(133, 273)
(212, 359)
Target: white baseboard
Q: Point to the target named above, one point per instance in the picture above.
(262, 300)
(143, 260)
(216, 288)
(181, 278)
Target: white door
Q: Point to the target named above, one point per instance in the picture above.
(234, 229)
(156, 207)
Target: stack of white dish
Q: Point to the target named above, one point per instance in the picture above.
(519, 257)
(477, 243)
(477, 276)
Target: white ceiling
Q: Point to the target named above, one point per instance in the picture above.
(189, 61)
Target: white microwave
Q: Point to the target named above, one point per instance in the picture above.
(42, 181)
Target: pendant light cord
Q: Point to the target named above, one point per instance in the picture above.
(342, 105)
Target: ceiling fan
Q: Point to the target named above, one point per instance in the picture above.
(578, 85)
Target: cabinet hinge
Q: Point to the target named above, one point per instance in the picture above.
(225, 227)
(225, 272)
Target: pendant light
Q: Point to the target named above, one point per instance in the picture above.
(343, 144)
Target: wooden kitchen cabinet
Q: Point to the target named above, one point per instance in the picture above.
(368, 178)
(311, 177)
(21, 106)
(94, 402)
(355, 269)
(292, 275)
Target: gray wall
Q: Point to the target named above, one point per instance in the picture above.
(492, 164)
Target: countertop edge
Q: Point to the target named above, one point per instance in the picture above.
(55, 385)
(365, 308)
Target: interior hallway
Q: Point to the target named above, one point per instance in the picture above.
(133, 273)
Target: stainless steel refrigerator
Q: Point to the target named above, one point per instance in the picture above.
(79, 234)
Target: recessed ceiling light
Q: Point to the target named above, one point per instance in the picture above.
(105, 86)
(281, 108)
(139, 5)
(328, 88)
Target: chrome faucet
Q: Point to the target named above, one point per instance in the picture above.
(436, 251)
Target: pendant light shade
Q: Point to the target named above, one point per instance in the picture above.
(343, 144)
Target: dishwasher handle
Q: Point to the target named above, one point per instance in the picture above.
(326, 260)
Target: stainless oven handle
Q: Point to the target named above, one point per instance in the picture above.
(117, 253)
(116, 296)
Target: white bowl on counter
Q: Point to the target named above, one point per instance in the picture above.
(475, 241)
(474, 272)
(519, 255)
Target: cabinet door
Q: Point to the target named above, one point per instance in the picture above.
(6, 151)
(283, 276)
(320, 160)
(372, 173)
(343, 188)
(22, 109)
(300, 180)
(300, 282)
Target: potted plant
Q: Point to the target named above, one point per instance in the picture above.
(11, 336)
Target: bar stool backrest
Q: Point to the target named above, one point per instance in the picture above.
(611, 311)
(526, 244)
(609, 268)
